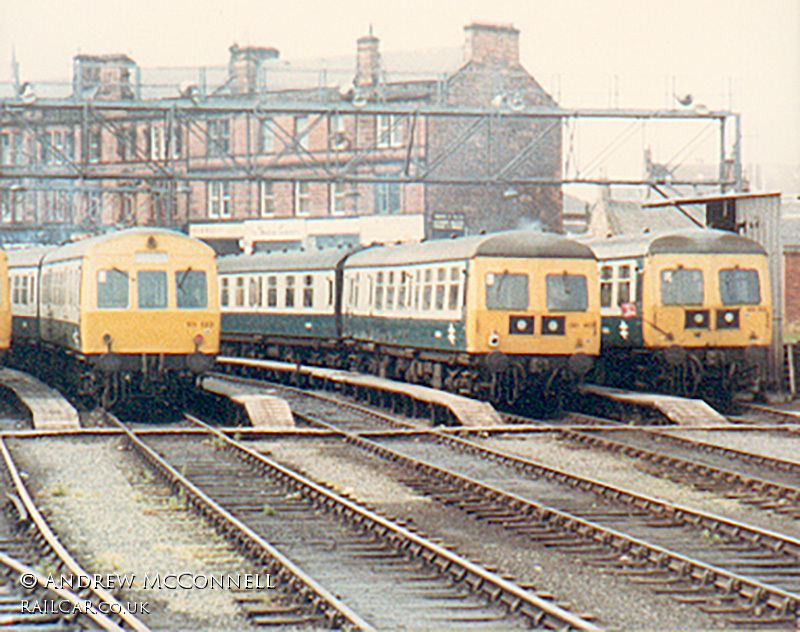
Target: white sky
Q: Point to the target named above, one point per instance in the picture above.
(738, 54)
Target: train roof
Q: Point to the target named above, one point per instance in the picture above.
(80, 248)
(27, 255)
(325, 259)
(690, 241)
(518, 243)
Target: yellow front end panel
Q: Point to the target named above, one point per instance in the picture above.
(488, 329)
(168, 332)
(665, 325)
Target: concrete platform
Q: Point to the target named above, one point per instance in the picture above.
(467, 411)
(49, 409)
(263, 411)
(679, 410)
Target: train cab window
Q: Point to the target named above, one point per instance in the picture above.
(680, 286)
(112, 289)
(506, 290)
(224, 298)
(239, 294)
(308, 291)
(289, 295)
(191, 290)
(739, 287)
(272, 291)
(567, 292)
(152, 286)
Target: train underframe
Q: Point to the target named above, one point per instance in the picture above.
(535, 383)
(718, 375)
(108, 379)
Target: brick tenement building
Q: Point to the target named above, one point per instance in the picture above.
(244, 159)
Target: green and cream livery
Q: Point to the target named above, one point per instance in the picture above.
(487, 315)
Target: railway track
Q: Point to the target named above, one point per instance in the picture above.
(33, 558)
(748, 576)
(757, 480)
(383, 575)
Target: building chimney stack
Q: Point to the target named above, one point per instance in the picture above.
(368, 61)
(244, 65)
(492, 44)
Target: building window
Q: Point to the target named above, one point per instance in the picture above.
(388, 131)
(387, 198)
(219, 136)
(302, 199)
(95, 145)
(266, 196)
(164, 146)
(219, 199)
(267, 138)
(339, 192)
(301, 131)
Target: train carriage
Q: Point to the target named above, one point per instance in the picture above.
(688, 312)
(5, 306)
(282, 297)
(490, 315)
(138, 303)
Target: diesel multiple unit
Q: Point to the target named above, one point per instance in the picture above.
(117, 312)
(488, 315)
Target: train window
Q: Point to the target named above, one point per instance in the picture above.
(152, 289)
(739, 287)
(23, 293)
(289, 291)
(308, 291)
(440, 290)
(680, 286)
(624, 292)
(191, 290)
(624, 272)
(112, 289)
(252, 292)
(506, 290)
(428, 275)
(224, 298)
(238, 296)
(15, 293)
(426, 298)
(606, 273)
(272, 291)
(401, 294)
(452, 299)
(330, 291)
(389, 297)
(567, 292)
